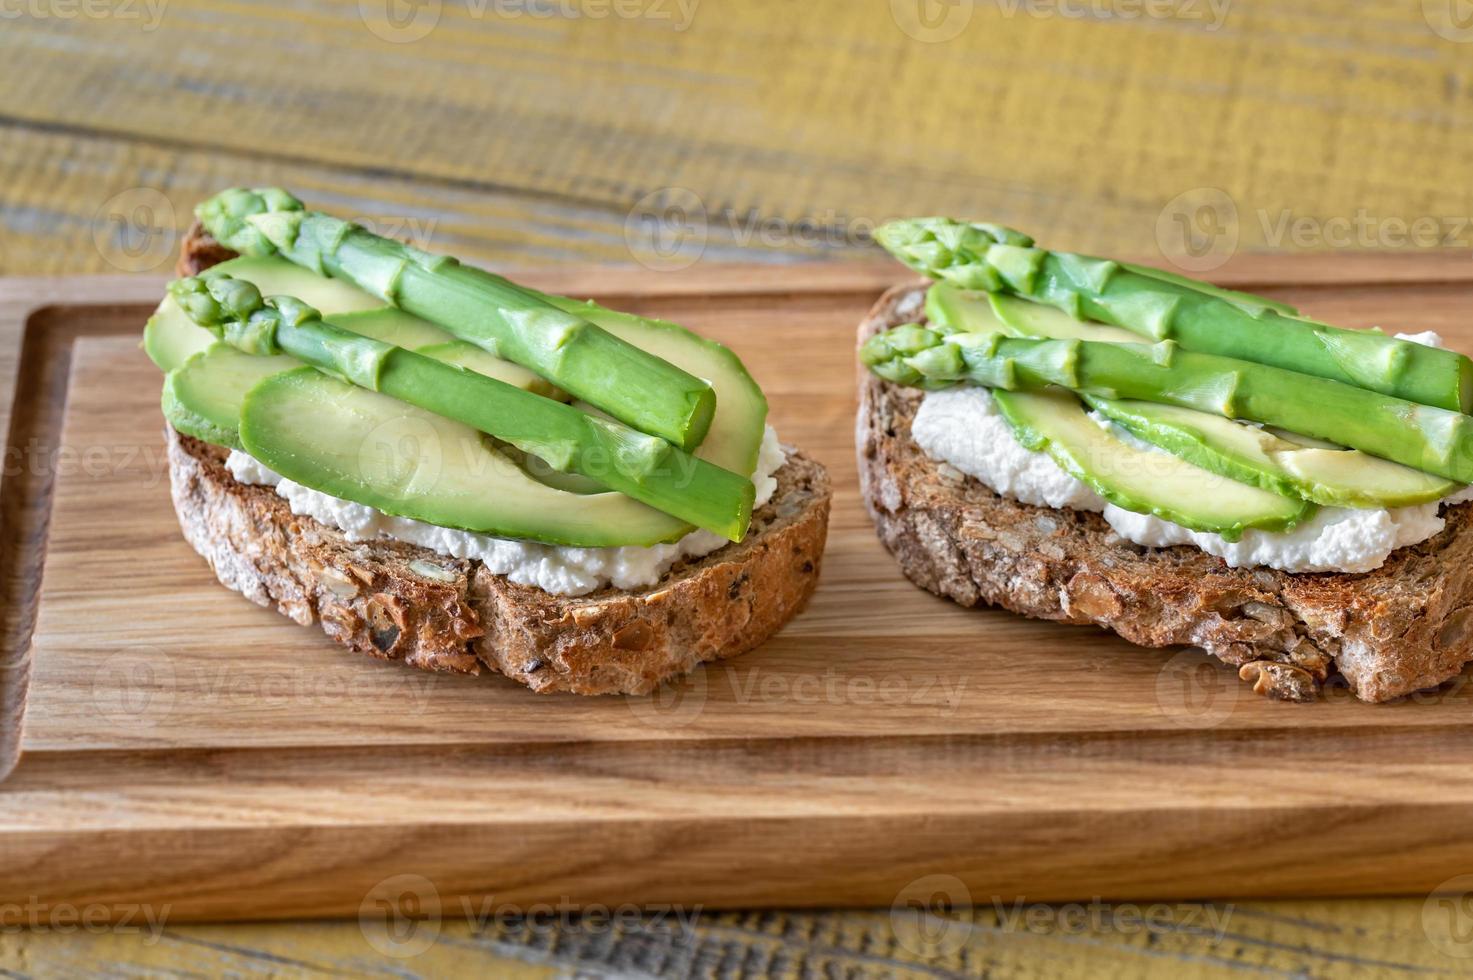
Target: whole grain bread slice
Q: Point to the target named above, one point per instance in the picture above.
(1404, 627)
(400, 601)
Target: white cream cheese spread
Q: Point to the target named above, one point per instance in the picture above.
(552, 568)
(963, 428)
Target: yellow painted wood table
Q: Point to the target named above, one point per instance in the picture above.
(675, 131)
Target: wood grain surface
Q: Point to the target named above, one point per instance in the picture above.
(886, 748)
(530, 130)
(516, 138)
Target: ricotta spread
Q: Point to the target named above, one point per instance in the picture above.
(963, 428)
(552, 568)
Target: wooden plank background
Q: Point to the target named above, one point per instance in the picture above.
(535, 131)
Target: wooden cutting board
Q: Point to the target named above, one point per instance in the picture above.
(168, 742)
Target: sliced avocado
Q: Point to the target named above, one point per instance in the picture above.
(372, 449)
(736, 430)
(202, 396)
(473, 358)
(1281, 462)
(1143, 480)
(962, 310)
(1036, 320)
(171, 338)
(394, 326)
(975, 312)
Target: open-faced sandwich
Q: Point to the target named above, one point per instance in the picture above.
(1095, 442)
(444, 467)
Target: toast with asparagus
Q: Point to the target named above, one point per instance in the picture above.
(1095, 442)
(447, 468)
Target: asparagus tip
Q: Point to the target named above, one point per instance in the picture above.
(226, 216)
(280, 228)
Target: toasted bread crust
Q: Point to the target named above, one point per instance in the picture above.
(399, 601)
(402, 602)
(198, 251)
(1401, 628)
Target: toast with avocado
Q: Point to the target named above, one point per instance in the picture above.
(1093, 442)
(443, 467)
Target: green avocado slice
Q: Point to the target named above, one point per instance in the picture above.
(202, 396)
(973, 312)
(1281, 462)
(1143, 480)
(735, 436)
(369, 448)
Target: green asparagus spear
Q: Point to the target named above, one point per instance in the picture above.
(1163, 306)
(1248, 453)
(503, 318)
(1429, 439)
(644, 467)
